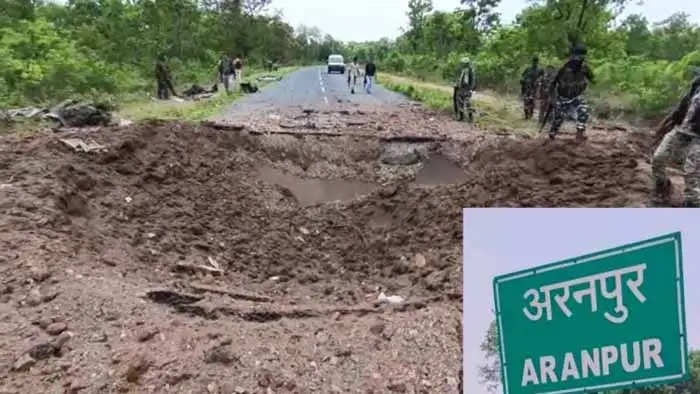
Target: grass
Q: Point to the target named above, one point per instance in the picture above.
(495, 112)
(140, 109)
(20, 128)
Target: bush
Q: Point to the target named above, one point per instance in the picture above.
(652, 86)
(395, 62)
(39, 64)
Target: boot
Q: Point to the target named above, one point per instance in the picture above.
(662, 194)
(579, 135)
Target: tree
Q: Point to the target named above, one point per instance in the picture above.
(491, 371)
(417, 12)
(253, 7)
(639, 37)
(675, 37)
(576, 15)
(485, 18)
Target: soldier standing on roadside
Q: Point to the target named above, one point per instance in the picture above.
(528, 86)
(463, 89)
(165, 84)
(226, 71)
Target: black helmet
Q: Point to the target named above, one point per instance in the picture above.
(579, 50)
(535, 59)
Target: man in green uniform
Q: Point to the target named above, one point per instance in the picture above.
(165, 84)
(528, 86)
(226, 71)
(463, 89)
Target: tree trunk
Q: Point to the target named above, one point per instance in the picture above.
(584, 7)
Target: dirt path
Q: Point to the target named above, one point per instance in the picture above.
(195, 259)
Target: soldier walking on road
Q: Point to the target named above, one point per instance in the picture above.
(353, 73)
(567, 90)
(680, 145)
(370, 72)
(528, 86)
(165, 84)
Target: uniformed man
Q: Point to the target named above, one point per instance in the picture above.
(165, 84)
(238, 69)
(680, 145)
(465, 85)
(353, 73)
(567, 90)
(226, 71)
(528, 86)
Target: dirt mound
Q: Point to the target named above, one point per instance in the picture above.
(172, 262)
(608, 171)
(177, 212)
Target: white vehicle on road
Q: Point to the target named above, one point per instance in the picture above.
(336, 63)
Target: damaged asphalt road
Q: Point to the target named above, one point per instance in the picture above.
(305, 250)
(309, 87)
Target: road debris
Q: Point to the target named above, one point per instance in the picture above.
(419, 260)
(56, 328)
(79, 145)
(73, 113)
(194, 268)
(138, 366)
(171, 297)
(269, 78)
(231, 293)
(24, 363)
(390, 299)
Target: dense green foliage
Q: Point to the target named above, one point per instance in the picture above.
(50, 51)
(641, 68)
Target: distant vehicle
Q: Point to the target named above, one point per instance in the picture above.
(336, 63)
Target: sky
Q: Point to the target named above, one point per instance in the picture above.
(500, 241)
(367, 20)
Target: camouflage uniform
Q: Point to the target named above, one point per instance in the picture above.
(165, 85)
(543, 92)
(680, 147)
(567, 89)
(466, 83)
(528, 87)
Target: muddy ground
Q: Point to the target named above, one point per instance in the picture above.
(252, 258)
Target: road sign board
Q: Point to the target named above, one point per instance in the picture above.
(612, 319)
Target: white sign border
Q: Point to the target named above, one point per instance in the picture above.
(593, 257)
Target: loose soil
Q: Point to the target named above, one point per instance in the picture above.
(208, 259)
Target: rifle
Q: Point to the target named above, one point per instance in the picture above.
(547, 115)
(664, 128)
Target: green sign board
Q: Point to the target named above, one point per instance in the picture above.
(608, 320)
